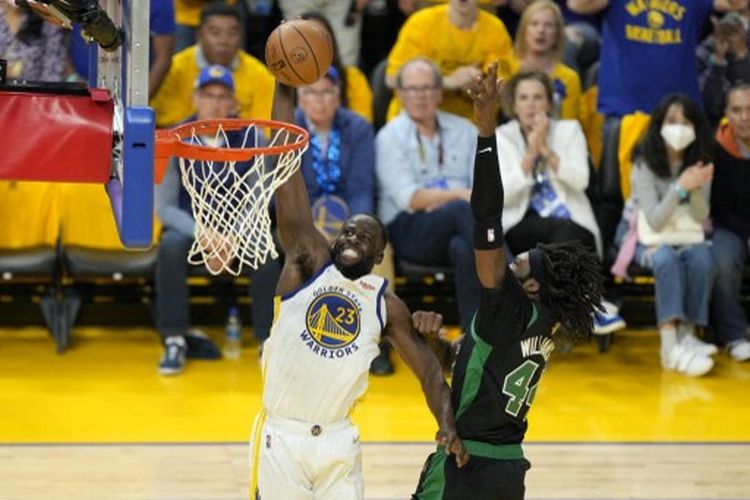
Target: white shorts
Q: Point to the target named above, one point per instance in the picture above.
(296, 460)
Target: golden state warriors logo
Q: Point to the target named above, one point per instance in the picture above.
(333, 320)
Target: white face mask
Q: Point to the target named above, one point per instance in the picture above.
(678, 136)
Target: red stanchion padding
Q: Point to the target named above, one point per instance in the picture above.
(57, 138)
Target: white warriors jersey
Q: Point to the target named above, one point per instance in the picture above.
(324, 337)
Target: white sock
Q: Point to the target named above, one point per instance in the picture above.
(684, 329)
(668, 335)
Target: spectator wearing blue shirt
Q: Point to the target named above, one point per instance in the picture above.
(339, 165)
(648, 50)
(162, 27)
(424, 162)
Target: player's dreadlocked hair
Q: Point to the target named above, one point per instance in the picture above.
(573, 285)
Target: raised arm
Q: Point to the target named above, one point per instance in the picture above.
(487, 195)
(298, 234)
(727, 5)
(587, 6)
(422, 361)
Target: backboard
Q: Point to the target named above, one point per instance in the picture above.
(124, 72)
(102, 132)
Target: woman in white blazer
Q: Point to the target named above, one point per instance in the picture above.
(545, 169)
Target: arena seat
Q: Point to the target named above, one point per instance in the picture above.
(29, 260)
(381, 95)
(92, 254)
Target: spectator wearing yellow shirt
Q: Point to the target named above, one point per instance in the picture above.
(539, 45)
(356, 94)
(219, 42)
(187, 16)
(461, 40)
(409, 6)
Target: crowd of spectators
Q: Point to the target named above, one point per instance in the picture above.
(683, 65)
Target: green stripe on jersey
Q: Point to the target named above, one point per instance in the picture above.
(474, 370)
(534, 316)
(496, 451)
(432, 482)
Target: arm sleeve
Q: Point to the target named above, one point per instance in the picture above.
(644, 188)
(516, 182)
(573, 169)
(487, 196)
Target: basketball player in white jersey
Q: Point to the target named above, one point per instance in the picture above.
(331, 313)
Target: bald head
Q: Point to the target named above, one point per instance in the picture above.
(419, 69)
(419, 86)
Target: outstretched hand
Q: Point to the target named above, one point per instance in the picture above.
(485, 92)
(453, 446)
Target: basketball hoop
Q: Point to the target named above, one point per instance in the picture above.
(231, 168)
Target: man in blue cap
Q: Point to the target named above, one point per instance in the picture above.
(214, 98)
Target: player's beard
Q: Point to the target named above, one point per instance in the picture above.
(352, 271)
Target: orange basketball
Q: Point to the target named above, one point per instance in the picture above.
(299, 52)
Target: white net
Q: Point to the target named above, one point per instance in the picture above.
(230, 199)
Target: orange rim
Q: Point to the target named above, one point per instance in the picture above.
(170, 142)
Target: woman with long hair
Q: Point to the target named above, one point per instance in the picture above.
(539, 45)
(546, 172)
(671, 184)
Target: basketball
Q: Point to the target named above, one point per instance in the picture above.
(299, 52)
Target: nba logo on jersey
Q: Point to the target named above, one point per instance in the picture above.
(333, 322)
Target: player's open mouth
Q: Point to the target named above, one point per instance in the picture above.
(350, 254)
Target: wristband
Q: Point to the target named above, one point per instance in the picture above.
(681, 192)
(488, 234)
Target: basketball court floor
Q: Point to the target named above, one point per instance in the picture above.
(99, 423)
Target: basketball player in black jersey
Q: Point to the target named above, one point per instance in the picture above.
(548, 291)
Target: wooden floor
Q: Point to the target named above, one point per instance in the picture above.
(219, 471)
(99, 423)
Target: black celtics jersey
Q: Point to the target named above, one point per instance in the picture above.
(500, 363)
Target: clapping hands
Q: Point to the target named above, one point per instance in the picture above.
(696, 176)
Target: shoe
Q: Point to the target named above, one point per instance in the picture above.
(173, 360)
(382, 364)
(200, 345)
(608, 321)
(690, 341)
(739, 350)
(687, 361)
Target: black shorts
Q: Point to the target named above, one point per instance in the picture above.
(480, 479)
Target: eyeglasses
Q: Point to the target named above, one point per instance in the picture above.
(413, 90)
(318, 94)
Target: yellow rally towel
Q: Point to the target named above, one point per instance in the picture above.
(631, 129)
